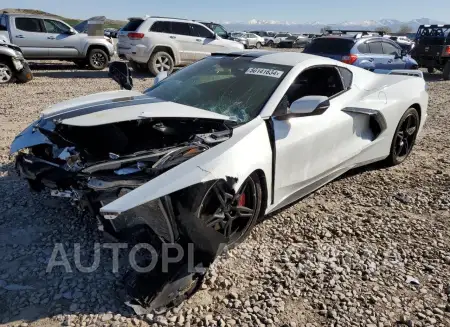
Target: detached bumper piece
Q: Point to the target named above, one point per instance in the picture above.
(24, 74)
(185, 248)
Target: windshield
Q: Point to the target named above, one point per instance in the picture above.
(81, 27)
(329, 45)
(236, 87)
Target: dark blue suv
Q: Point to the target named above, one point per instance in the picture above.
(362, 50)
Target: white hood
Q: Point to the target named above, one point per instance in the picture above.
(117, 106)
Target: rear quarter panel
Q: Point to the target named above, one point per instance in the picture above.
(397, 94)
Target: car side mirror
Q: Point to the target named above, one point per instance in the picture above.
(71, 31)
(121, 73)
(160, 77)
(403, 53)
(308, 106)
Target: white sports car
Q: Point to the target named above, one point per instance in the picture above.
(201, 155)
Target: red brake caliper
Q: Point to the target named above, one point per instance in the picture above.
(241, 201)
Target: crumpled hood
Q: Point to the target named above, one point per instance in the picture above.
(105, 108)
(117, 106)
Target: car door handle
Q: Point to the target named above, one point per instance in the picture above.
(370, 59)
(198, 40)
(51, 38)
(20, 36)
(173, 37)
(389, 61)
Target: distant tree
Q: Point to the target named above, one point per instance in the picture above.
(325, 28)
(385, 29)
(405, 29)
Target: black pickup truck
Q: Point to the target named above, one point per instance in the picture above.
(432, 48)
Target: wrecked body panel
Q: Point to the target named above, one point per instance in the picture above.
(246, 151)
(32, 135)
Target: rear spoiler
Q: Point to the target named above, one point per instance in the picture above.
(406, 72)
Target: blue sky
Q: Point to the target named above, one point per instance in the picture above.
(326, 11)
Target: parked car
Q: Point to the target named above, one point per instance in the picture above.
(217, 28)
(201, 156)
(13, 66)
(294, 41)
(111, 32)
(280, 37)
(267, 36)
(403, 41)
(366, 51)
(432, 49)
(46, 37)
(161, 43)
(249, 40)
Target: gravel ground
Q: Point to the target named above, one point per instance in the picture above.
(370, 249)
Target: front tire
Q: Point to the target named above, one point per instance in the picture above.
(160, 62)
(258, 45)
(232, 215)
(404, 137)
(97, 59)
(6, 72)
(446, 71)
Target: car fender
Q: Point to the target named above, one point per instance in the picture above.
(248, 150)
(366, 64)
(86, 43)
(174, 49)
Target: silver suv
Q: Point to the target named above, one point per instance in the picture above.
(160, 43)
(46, 37)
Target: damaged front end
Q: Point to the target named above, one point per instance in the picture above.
(94, 166)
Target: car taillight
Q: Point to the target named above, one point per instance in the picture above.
(350, 59)
(135, 36)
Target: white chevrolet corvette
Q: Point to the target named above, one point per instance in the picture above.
(201, 155)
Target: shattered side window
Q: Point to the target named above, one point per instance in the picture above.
(234, 87)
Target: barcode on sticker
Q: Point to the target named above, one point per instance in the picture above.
(264, 72)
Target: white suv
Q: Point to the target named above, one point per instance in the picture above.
(161, 43)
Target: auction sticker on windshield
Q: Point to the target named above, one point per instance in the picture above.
(265, 72)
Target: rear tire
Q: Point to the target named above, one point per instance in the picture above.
(446, 71)
(258, 45)
(160, 62)
(404, 138)
(97, 59)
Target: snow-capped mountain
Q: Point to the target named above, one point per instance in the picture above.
(313, 27)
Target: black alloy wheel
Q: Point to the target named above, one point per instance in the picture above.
(405, 137)
(230, 214)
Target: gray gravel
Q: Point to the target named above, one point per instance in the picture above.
(371, 249)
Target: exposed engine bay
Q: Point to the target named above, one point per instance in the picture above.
(95, 165)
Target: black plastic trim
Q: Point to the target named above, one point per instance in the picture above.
(271, 132)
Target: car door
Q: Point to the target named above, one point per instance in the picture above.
(63, 43)
(380, 60)
(252, 39)
(28, 33)
(187, 44)
(205, 41)
(311, 148)
(219, 30)
(393, 53)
